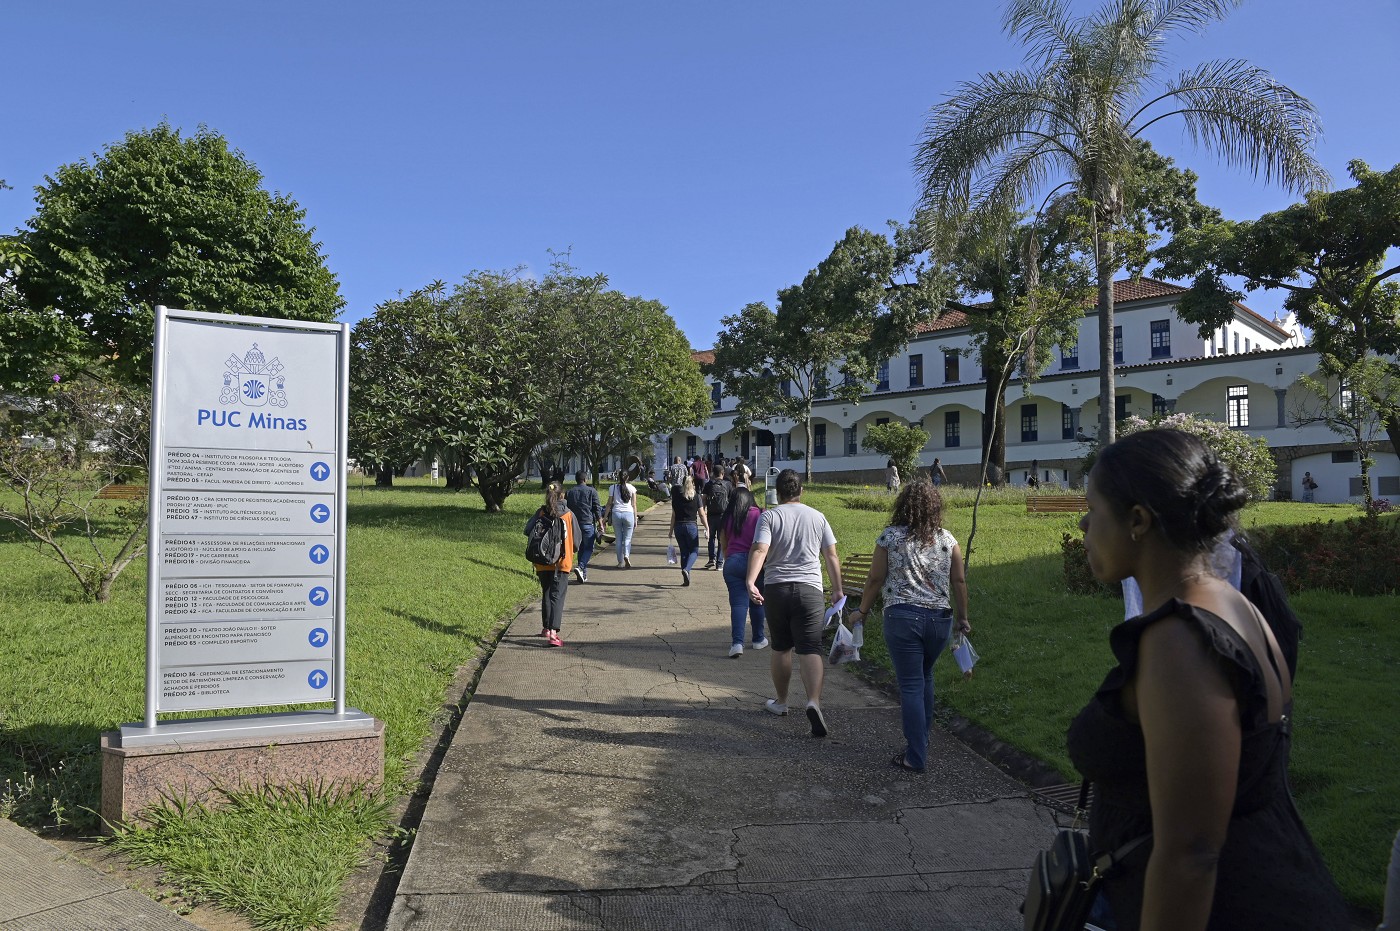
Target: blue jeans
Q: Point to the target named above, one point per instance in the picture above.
(585, 546)
(688, 541)
(915, 636)
(714, 538)
(624, 522)
(736, 572)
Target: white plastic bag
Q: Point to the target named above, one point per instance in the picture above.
(842, 648)
(671, 555)
(965, 655)
(834, 611)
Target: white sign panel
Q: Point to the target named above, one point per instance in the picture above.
(246, 596)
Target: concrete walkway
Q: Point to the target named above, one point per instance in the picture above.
(633, 780)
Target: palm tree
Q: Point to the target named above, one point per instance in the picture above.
(1090, 87)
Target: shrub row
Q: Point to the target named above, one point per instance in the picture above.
(1360, 555)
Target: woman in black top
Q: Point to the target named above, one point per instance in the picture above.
(687, 517)
(1188, 737)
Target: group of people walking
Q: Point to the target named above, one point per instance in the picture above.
(1186, 741)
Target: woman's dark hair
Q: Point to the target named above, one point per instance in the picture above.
(553, 498)
(1189, 492)
(738, 510)
(920, 508)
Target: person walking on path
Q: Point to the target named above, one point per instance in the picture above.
(892, 477)
(676, 473)
(789, 545)
(736, 529)
(622, 514)
(1188, 738)
(936, 473)
(917, 571)
(583, 501)
(716, 493)
(687, 517)
(554, 577)
(1309, 486)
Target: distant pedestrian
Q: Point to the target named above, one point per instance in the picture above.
(676, 473)
(588, 511)
(622, 514)
(1309, 486)
(716, 493)
(936, 473)
(736, 529)
(554, 577)
(892, 477)
(743, 475)
(917, 571)
(790, 544)
(688, 517)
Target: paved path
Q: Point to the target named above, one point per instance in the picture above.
(633, 780)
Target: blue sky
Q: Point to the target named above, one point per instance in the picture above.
(704, 155)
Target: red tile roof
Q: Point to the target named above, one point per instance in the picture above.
(703, 356)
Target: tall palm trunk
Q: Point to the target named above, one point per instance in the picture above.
(1106, 262)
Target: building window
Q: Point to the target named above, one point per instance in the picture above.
(1343, 455)
(1237, 406)
(882, 377)
(716, 394)
(850, 441)
(1388, 484)
(690, 447)
(950, 366)
(1030, 423)
(916, 370)
(1161, 339)
(1160, 408)
(1118, 345)
(881, 421)
(1237, 342)
(1069, 422)
(822, 387)
(952, 428)
(1346, 400)
(818, 439)
(786, 387)
(1356, 488)
(1122, 402)
(1069, 356)
(744, 445)
(782, 445)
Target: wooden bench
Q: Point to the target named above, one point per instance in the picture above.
(855, 572)
(121, 493)
(1056, 504)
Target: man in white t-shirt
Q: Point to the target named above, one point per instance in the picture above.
(789, 546)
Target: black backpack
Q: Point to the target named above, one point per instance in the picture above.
(717, 497)
(545, 544)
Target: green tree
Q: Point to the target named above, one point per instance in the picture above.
(1091, 87)
(163, 219)
(625, 371)
(456, 377)
(1329, 254)
(1353, 403)
(900, 442)
(853, 311)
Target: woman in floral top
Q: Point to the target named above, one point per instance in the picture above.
(917, 570)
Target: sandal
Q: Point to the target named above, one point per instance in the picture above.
(897, 761)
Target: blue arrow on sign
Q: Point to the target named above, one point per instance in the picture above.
(320, 471)
(318, 679)
(320, 553)
(319, 637)
(318, 596)
(320, 513)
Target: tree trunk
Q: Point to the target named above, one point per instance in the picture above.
(384, 476)
(1108, 405)
(807, 423)
(994, 422)
(494, 491)
(456, 477)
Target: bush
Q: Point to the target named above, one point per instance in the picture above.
(1360, 556)
(869, 502)
(1079, 580)
(1246, 456)
(1381, 506)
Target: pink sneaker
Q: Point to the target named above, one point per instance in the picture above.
(554, 640)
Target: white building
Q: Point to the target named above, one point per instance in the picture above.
(1245, 375)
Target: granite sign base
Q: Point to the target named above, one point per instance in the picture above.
(196, 761)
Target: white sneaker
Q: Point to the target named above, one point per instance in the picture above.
(761, 644)
(578, 574)
(736, 650)
(627, 560)
(775, 707)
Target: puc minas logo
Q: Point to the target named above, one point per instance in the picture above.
(252, 381)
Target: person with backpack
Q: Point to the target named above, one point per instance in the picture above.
(716, 494)
(622, 514)
(551, 535)
(582, 499)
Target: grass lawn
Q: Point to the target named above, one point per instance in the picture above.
(431, 577)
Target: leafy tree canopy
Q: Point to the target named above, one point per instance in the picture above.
(900, 442)
(854, 310)
(1247, 456)
(1327, 252)
(160, 218)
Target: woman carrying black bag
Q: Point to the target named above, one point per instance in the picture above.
(1187, 739)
